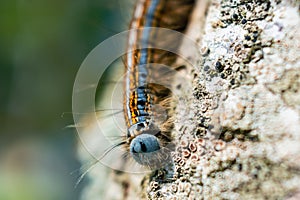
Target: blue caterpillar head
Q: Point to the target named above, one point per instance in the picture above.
(144, 147)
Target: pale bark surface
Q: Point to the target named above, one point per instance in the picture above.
(237, 124)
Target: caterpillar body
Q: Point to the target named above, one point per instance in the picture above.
(152, 45)
(147, 93)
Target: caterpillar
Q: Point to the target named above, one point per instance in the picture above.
(149, 129)
(151, 46)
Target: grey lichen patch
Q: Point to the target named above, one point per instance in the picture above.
(288, 87)
(243, 11)
(243, 135)
(267, 179)
(240, 138)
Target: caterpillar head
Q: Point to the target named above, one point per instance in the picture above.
(148, 146)
(148, 150)
(144, 148)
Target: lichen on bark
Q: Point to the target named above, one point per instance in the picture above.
(237, 121)
(244, 107)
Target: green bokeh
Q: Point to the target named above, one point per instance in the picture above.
(42, 44)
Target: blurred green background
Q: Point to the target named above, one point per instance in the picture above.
(43, 43)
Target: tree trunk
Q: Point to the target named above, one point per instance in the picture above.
(237, 125)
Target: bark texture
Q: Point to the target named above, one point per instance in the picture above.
(237, 126)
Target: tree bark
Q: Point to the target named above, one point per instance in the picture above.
(237, 121)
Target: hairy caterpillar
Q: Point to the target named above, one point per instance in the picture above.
(150, 50)
(148, 133)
